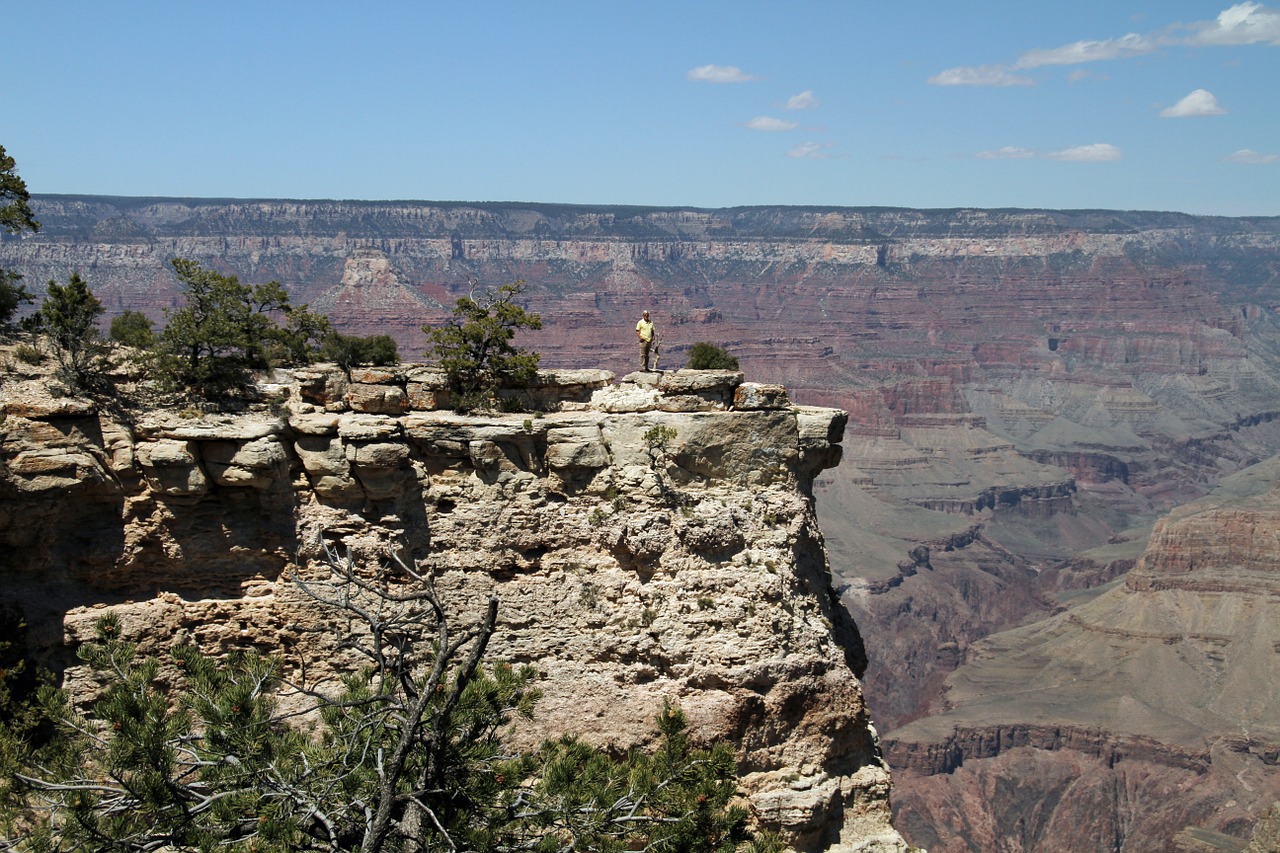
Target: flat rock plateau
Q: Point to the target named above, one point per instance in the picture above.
(1052, 519)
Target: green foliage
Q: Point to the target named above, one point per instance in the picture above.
(704, 356)
(301, 338)
(347, 351)
(69, 316)
(22, 724)
(210, 346)
(133, 329)
(658, 439)
(673, 799)
(13, 293)
(29, 353)
(15, 217)
(475, 350)
(408, 753)
(15, 208)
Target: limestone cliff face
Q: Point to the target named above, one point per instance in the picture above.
(633, 564)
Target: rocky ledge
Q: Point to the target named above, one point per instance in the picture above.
(649, 540)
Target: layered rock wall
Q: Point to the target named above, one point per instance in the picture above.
(1162, 686)
(648, 541)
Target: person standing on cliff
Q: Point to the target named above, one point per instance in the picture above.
(644, 332)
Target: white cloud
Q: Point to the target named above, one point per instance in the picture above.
(1088, 51)
(719, 74)
(1009, 152)
(1243, 23)
(803, 101)
(980, 75)
(810, 151)
(770, 123)
(1099, 152)
(1252, 158)
(1199, 103)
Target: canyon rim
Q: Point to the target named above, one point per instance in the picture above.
(1029, 393)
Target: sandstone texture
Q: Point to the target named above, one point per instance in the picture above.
(641, 552)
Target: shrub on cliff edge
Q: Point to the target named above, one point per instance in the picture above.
(704, 356)
(475, 350)
(69, 316)
(227, 329)
(347, 351)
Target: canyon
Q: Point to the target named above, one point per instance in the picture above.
(1030, 394)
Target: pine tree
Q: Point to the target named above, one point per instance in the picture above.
(475, 347)
(15, 218)
(69, 316)
(226, 330)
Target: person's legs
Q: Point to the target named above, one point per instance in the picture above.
(644, 355)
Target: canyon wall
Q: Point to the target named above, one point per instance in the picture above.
(1145, 719)
(1029, 391)
(648, 541)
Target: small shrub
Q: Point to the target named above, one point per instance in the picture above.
(381, 350)
(704, 356)
(132, 329)
(658, 436)
(511, 404)
(347, 351)
(29, 354)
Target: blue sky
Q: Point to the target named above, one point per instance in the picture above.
(1129, 104)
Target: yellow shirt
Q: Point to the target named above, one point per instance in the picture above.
(645, 329)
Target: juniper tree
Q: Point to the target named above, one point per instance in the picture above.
(69, 316)
(226, 330)
(705, 356)
(475, 346)
(347, 351)
(15, 217)
(132, 329)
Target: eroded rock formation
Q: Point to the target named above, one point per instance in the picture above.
(648, 541)
(1140, 716)
(1028, 390)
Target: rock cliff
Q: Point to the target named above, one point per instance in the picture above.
(1029, 391)
(648, 540)
(1144, 712)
